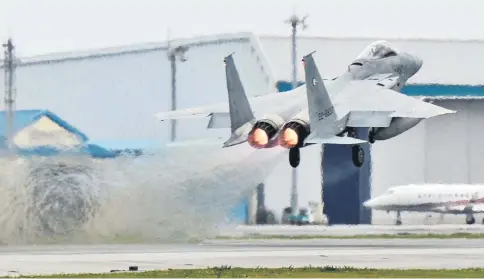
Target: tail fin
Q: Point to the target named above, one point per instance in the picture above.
(322, 115)
(320, 107)
(239, 107)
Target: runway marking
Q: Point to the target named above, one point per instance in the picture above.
(47, 260)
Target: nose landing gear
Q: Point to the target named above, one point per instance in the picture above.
(398, 222)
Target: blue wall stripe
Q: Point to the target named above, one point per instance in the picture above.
(443, 90)
(421, 89)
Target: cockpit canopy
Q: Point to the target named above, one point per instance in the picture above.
(378, 50)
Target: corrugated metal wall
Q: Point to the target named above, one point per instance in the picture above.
(115, 97)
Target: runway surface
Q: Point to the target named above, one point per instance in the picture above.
(345, 230)
(391, 253)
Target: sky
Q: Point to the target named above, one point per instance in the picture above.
(47, 26)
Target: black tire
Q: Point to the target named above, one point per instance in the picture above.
(351, 133)
(371, 135)
(357, 155)
(470, 221)
(294, 157)
(398, 222)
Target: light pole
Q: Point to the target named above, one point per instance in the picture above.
(9, 63)
(295, 21)
(174, 54)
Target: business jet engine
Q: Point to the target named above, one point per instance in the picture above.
(397, 126)
(264, 132)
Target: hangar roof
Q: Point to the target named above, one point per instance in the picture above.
(461, 59)
(24, 118)
(457, 62)
(113, 94)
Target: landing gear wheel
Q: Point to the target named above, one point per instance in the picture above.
(371, 135)
(399, 219)
(294, 157)
(351, 133)
(357, 155)
(470, 220)
(483, 221)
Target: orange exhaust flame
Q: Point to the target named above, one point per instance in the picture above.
(258, 138)
(289, 138)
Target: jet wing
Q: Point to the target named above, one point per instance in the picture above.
(198, 112)
(460, 209)
(258, 104)
(194, 112)
(370, 105)
(241, 107)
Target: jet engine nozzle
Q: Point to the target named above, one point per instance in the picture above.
(261, 135)
(293, 134)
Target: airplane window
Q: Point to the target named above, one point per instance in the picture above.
(377, 50)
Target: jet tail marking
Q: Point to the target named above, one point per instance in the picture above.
(239, 106)
(322, 114)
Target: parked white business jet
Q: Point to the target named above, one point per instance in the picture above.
(435, 198)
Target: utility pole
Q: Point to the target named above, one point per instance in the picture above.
(295, 21)
(174, 54)
(9, 63)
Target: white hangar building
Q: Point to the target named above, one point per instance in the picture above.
(113, 94)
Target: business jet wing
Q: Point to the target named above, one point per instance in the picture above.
(369, 105)
(242, 107)
(462, 208)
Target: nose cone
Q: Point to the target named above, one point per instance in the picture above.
(418, 63)
(368, 203)
(371, 203)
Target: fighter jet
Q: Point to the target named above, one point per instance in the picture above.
(323, 111)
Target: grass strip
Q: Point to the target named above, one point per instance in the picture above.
(284, 272)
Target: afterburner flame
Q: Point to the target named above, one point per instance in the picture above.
(289, 138)
(258, 138)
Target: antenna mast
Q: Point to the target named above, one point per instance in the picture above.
(174, 54)
(10, 90)
(295, 21)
